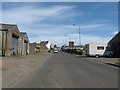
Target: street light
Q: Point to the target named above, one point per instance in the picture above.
(79, 33)
(65, 40)
(68, 37)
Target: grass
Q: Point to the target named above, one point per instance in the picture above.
(117, 62)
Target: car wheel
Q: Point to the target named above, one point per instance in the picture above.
(97, 56)
(110, 55)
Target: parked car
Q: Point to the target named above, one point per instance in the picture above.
(108, 53)
(55, 51)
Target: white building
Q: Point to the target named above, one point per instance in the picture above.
(48, 45)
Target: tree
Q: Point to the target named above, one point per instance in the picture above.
(55, 46)
(37, 47)
(35, 43)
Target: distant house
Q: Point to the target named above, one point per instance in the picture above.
(45, 46)
(38, 45)
(71, 43)
(114, 45)
(33, 48)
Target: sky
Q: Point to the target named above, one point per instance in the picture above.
(54, 21)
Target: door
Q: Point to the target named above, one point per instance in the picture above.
(2, 51)
(15, 44)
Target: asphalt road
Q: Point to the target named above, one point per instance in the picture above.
(64, 70)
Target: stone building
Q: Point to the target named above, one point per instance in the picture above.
(11, 40)
(24, 43)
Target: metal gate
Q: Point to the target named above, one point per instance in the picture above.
(15, 45)
(25, 48)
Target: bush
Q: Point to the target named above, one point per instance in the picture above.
(37, 47)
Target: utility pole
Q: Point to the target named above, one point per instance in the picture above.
(79, 33)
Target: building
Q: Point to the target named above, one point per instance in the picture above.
(114, 45)
(71, 44)
(12, 42)
(33, 48)
(9, 38)
(45, 46)
(24, 43)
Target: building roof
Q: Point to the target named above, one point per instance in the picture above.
(7, 26)
(38, 44)
(10, 27)
(24, 34)
(43, 42)
(116, 38)
(33, 45)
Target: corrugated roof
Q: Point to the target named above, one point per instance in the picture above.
(11, 28)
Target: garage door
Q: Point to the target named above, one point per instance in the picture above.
(1, 43)
(15, 44)
(25, 48)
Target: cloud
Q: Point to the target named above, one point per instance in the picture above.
(92, 26)
(61, 40)
(48, 32)
(114, 33)
(57, 36)
(56, 32)
(31, 14)
(50, 29)
(82, 26)
(37, 21)
(0, 12)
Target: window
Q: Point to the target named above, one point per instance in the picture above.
(100, 48)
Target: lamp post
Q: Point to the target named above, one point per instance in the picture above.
(68, 37)
(65, 40)
(79, 33)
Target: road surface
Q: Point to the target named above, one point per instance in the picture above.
(64, 70)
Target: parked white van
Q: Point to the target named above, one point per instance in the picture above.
(97, 50)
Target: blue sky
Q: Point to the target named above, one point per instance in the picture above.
(53, 20)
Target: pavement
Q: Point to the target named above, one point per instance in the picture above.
(16, 67)
(105, 60)
(62, 70)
